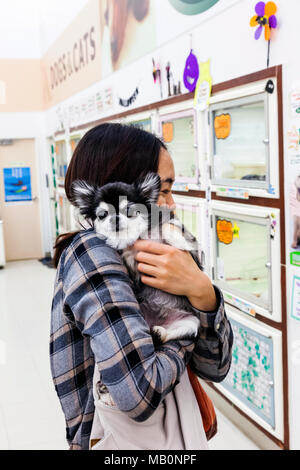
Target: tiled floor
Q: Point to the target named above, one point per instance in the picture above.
(30, 414)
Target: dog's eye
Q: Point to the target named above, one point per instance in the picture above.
(132, 212)
(102, 215)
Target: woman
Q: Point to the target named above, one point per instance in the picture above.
(95, 315)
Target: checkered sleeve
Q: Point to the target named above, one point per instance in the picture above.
(99, 300)
(211, 358)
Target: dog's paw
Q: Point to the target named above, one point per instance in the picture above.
(159, 334)
(101, 388)
(184, 337)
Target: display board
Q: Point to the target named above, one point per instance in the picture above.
(251, 376)
(179, 133)
(246, 257)
(254, 381)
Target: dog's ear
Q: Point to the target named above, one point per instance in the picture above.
(84, 196)
(149, 187)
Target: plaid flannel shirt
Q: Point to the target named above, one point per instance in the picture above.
(96, 319)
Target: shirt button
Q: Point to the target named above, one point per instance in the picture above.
(218, 326)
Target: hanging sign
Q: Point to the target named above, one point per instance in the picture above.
(17, 184)
(222, 126)
(224, 231)
(191, 72)
(203, 88)
(168, 132)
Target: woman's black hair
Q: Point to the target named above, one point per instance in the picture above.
(109, 153)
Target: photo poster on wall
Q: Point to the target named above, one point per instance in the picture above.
(293, 150)
(294, 195)
(17, 184)
(295, 303)
(251, 376)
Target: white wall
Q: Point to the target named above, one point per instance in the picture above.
(28, 28)
(19, 30)
(55, 16)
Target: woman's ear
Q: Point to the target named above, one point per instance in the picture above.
(83, 196)
(149, 187)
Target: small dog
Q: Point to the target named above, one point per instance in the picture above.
(124, 213)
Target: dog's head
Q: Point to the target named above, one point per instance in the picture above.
(119, 211)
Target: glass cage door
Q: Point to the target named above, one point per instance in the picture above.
(240, 142)
(188, 216)
(179, 133)
(191, 213)
(242, 256)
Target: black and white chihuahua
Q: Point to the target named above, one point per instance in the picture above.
(124, 213)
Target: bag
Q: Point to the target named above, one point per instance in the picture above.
(175, 425)
(205, 404)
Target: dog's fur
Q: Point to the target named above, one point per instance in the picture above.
(124, 213)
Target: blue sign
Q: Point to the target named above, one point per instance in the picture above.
(17, 184)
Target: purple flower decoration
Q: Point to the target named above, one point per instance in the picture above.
(264, 18)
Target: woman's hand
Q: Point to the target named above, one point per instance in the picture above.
(174, 271)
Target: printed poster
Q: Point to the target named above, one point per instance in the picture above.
(295, 304)
(17, 184)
